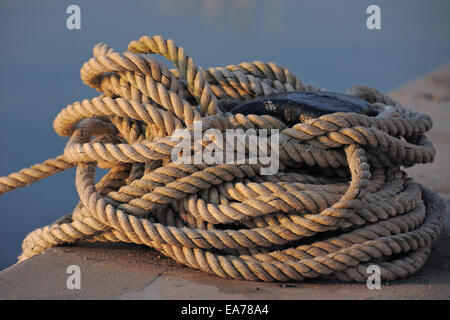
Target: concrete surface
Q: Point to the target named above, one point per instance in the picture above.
(122, 271)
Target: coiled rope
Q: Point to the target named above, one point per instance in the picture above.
(339, 203)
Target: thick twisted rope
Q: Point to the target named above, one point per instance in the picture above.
(339, 203)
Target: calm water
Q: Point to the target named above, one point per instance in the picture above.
(326, 43)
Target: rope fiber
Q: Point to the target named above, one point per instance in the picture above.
(339, 203)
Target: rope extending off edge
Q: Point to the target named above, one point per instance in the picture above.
(339, 203)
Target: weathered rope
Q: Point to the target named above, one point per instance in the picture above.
(339, 202)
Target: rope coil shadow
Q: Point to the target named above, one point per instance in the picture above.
(339, 203)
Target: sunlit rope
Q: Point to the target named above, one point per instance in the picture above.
(339, 203)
